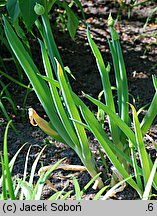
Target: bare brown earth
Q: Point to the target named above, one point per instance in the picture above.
(139, 47)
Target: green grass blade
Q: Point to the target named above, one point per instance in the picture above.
(26, 164)
(6, 162)
(73, 21)
(150, 182)
(25, 169)
(80, 123)
(117, 75)
(27, 189)
(78, 193)
(125, 99)
(4, 188)
(50, 43)
(121, 124)
(52, 81)
(141, 147)
(26, 62)
(65, 196)
(55, 196)
(74, 114)
(14, 80)
(4, 89)
(81, 8)
(136, 168)
(6, 114)
(121, 77)
(79, 103)
(48, 173)
(36, 194)
(11, 103)
(89, 183)
(107, 88)
(108, 151)
(60, 193)
(34, 166)
(12, 161)
(57, 101)
(42, 180)
(150, 115)
(103, 72)
(100, 192)
(103, 160)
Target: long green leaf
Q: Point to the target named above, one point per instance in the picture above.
(6, 162)
(34, 166)
(39, 85)
(65, 196)
(6, 115)
(115, 132)
(150, 115)
(81, 8)
(141, 147)
(74, 114)
(83, 149)
(3, 178)
(25, 169)
(80, 103)
(125, 94)
(13, 9)
(89, 183)
(26, 189)
(55, 196)
(150, 182)
(109, 152)
(78, 193)
(136, 168)
(14, 80)
(11, 103)
(117, 75)
(57, 101)
(121, 124)
(97, 196)
(50, 43)
(121, 77)
(42, 180)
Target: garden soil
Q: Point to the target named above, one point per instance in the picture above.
(139, 47)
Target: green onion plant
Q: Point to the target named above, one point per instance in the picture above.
(125, 141)
(60, 108)
(65, 109)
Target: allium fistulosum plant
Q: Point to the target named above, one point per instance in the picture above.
(125, 141)
(55, 96)
(63, 107)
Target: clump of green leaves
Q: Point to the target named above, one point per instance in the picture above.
(55, 96)
(26, 188)
(20, 188)
(125, 141)
(65, 109)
